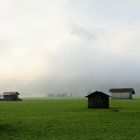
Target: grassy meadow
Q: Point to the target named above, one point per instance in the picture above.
(69, 119)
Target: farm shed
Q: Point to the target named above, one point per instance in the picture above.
(10, 96)
(122, 93)
(98, 99)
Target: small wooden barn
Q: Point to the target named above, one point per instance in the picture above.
(98, 99)
(11, 96)
(122, 93)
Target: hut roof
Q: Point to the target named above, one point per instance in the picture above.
(98, 92)
(11, 93)
(122, 90)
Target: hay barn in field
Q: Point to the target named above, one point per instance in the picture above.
(122, 93)
(98, 99)
(11, 96)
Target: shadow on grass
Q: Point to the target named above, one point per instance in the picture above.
(115, 109)
(10, 128)
(18, 131)
(111, 109)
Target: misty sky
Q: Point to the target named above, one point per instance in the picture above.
(72, 46)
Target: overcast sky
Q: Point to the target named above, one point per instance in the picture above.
(72, 46)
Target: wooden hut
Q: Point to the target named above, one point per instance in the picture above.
(10, 96)
(98, 99)
(122, 93)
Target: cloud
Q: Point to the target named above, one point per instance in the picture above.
(45, 47)
(81, 31)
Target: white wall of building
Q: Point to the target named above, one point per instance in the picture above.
(121, 95)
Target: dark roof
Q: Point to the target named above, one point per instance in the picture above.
(97, 92)
(11, 93)
(122, 90)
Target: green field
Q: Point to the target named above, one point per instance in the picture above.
(69, 120)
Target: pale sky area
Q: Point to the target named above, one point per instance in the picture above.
(73, 46)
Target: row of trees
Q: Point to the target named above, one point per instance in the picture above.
(51, 95)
